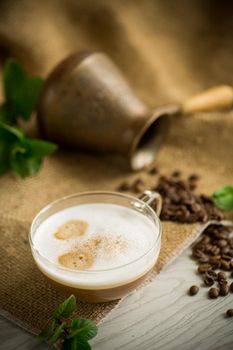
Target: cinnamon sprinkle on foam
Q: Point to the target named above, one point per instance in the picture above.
(84, 254)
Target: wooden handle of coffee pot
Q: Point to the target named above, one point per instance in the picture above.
(218, 97)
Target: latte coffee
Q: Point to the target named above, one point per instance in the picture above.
(98, 251)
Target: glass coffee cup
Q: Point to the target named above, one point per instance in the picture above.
(111, 276)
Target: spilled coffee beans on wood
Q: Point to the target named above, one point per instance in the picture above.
(229, 313)
(213, 293)
(214, 255)
(193, 290)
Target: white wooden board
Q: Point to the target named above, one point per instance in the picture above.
(160, 316)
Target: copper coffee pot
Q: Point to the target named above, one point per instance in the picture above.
(87, 103)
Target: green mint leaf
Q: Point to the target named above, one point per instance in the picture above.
(26, 154)
(29, 97)
(21, 92)
(223, 197)
(22, 163)
(14, 78)
(48, 331)
(72, 336)
(83, 329)
(6, 141)
(57, 333)
(66, 345)
(69, 344)
(6, 116)
(8, 136)
(39, 148)
(66, 308)
(12, 130)
(24, 166)
(75, 344)
(83, 345)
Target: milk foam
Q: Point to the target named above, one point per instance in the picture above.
(135, 233)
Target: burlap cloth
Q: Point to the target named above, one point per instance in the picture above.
(168, 50)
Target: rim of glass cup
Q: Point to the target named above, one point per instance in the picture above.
(85, 194)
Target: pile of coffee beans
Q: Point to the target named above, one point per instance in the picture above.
(214, 256)
(180, 202)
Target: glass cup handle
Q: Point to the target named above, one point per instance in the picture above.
(151, 196)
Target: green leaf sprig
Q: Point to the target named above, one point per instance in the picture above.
(73, 335)
(223, 197)
(18, 152)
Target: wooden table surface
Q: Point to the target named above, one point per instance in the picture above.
(160, 316)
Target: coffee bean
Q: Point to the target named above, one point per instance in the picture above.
(222, 243)
(200, 246)
(229, 313)
(175, 199)
(195, 207)
(224, 290)
(206, 199)
(198, 254)
(212, 274)
(221, 235)
(222, 276)
(203, 268)
(215, 261)
(230, 252)
(163, 178)
(193, 290)
(205, 239)
(176, 173)
(213, 293)
(231, 287)
(202, 216)
(204, 259)
(123, 187)
(192, 186)
(225, 265)
(193, 177)
(213, 212)
(209, 281)
(209, 248)
(215, 258)
(226, 257)
(222, 282)
(215, 250)
(183, 216)
(138, 186)
(153, 170)
(216, 265)
(225, 250)
(182, 185)
(193, 217)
